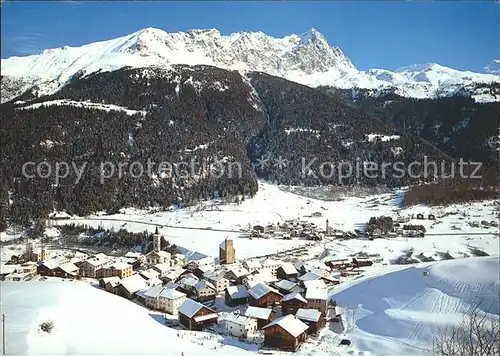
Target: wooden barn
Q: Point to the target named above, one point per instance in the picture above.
(420, 216)
(196, 316)
(287, 271)
(361, 262)
(261, 295)
(293, 302)
(286, 333)
(263, 315)
(314, 319)
(236, 295)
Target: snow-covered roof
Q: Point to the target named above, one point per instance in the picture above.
(310, 276)
(149, 273)
(214, 276)
(290, 324)
(317, 293)
(50, 264)
(253, 264)
(285, 284)
(288, 268)
(258, 313)
(120, 265)
(189, 281)
(263, 276)
(308, 314)
(153, 292)
(294, 295)
(69, 268)
(162, 267)
(134, 283)
(204, 283)
(238, 319)
(237, 292)
(131, 254)
(7, 269)
(171, 293)
(239, 272)
(318, 283)
(190, 307)
(114, 281)
(260, 290)
(269, 262)
(205, 317)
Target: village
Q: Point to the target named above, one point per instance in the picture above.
(268, 302)
(274, 302)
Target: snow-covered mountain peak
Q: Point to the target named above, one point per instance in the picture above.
(306, 58)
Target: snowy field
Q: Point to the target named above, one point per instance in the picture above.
(399, 312)
(274, 205)
(88, 321)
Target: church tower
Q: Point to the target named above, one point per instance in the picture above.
(157, 241)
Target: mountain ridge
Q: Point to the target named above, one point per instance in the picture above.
(306, 58)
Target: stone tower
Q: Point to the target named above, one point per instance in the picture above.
(157, 240)
(226, 252)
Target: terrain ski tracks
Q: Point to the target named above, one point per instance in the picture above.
(416, 333)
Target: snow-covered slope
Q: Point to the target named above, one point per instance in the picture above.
(306, 58)
(88, 321)
(398, 313)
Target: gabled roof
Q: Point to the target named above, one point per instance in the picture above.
(203, 283)
(319, 283)
(189, 281)
(153, 292)
(253, 264)
(239, 271)
(258, 313)
(308, 315)
(190, 307)
(290, 324)
(285, 284)
(237, 292)
(171, 293)
(317, 293)
(260, 290)
(288, 268)
(238, 319)
(134, 283)
(294, 295)
(310, 276)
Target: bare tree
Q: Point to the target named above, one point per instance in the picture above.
(478, 334)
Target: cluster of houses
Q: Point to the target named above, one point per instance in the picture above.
(291, 229)
(285, 302)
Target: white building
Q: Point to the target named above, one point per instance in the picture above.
(218, 280)
(151, 297)
(169, 300)
(239, 325)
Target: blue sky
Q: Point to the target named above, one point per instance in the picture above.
(374, 34)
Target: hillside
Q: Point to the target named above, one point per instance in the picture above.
(88, 321)
(203, 115)
(398, 313)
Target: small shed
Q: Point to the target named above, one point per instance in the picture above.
(196, 316)
(286, 333)
(314, 319)
(420, 216)
(431, 217)
(293, 302)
